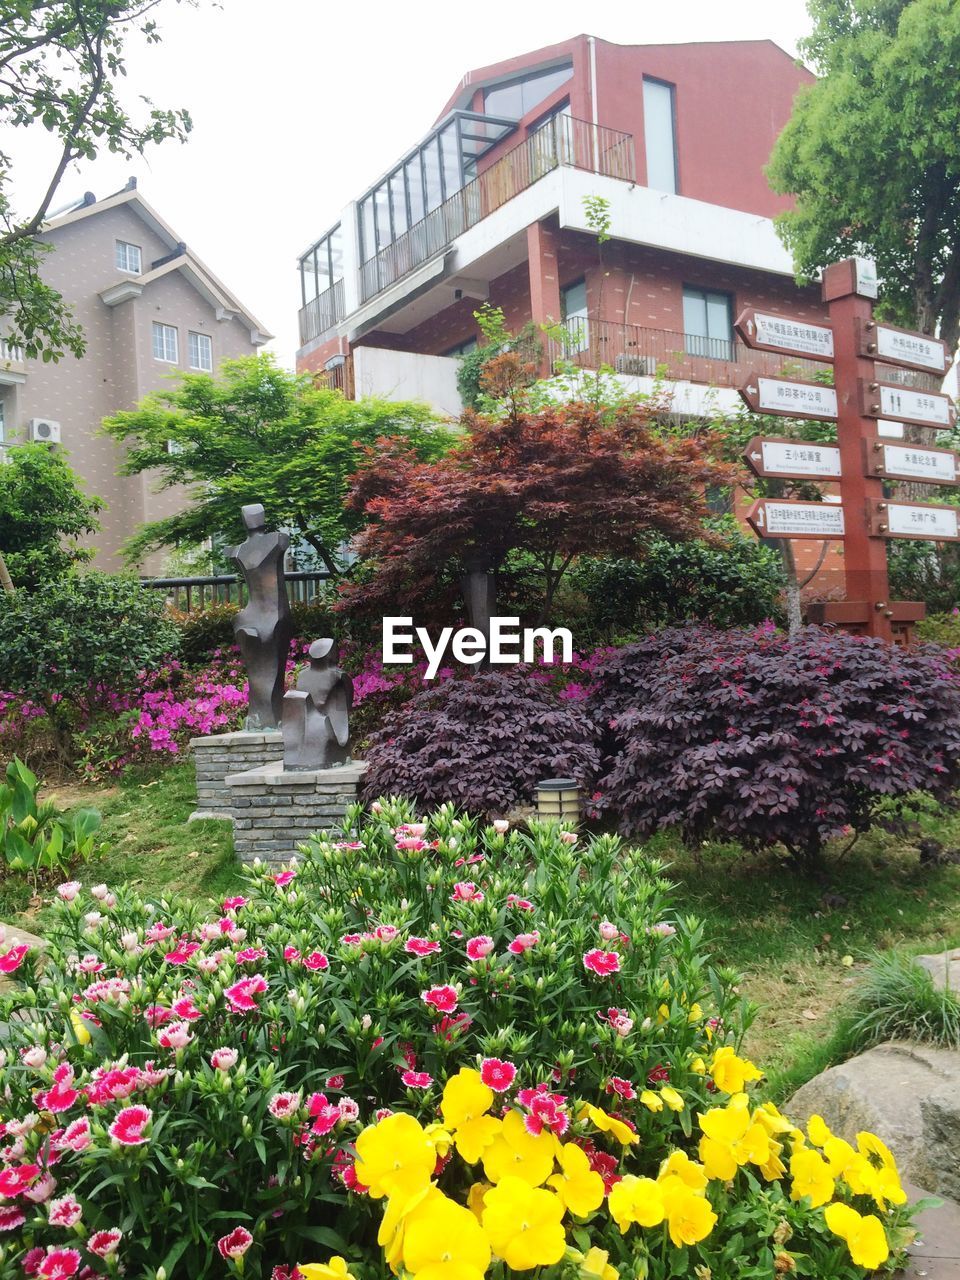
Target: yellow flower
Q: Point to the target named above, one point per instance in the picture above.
(695, 1014)
(876, 1151)
(652, 1101)
(689, 1216)
(466, 1100)
(722, 1128)
(577, 1185)
(442, 1140)
(444, 1241)
(865, 1179)
(394, 1222)
(335, 1269)
(773, 1167)
(864, 1236)
(678, 1164)
(516, 1154)
(672, 1098)
(638, 1200)
(818, 1131)
(731, 1073)
(663, 1014)
(475, 1198)
(524, 1224)
(609, 1124)
(395, 1157)
(840, 1156)
(699, 1066)
(79, 1027)
(811, 1177)
(596, 1263)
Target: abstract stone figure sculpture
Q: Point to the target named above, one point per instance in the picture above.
(316, 715)
(263, 626)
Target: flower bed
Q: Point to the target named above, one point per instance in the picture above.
(474, 1047)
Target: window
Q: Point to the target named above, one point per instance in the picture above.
(165, 343)
(573, 312)
(659, 135)
(515, 98)
(463, 348)
(200, 350)
(707, 324)
(127, 257)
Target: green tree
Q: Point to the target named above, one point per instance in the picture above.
(872, 153)
(258, 433)
(61, 62)
(43, 512)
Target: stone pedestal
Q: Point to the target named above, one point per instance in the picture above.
(275, 809)
(221, 754)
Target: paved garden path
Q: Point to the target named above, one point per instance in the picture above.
(936, 1255)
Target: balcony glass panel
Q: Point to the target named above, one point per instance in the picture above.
(414, 176)
(431, 175)
(450, 155)
(516, 98)
(398, 203)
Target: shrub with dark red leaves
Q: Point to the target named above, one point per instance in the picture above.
(751, 736)
(482, 742)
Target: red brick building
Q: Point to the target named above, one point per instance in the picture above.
(489, 206)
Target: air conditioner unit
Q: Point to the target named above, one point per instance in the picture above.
(637, 366)
(45, 430)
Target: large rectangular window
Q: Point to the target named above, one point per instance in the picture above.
(708, 323)
(127, 257)
(165, 343)
(659, 135)
(200, 351)
(573, 309)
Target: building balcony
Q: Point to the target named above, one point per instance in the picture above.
(13, 368)
(562, 142)
(322, 314)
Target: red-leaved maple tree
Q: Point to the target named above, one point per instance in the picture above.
(557, 482)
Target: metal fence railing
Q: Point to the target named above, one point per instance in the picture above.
(189, 594)
(322, 314)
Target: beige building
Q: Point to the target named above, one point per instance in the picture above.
(148, 308)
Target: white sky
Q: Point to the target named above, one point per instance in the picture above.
(298, 105)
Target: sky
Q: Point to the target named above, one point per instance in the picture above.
(299, 105)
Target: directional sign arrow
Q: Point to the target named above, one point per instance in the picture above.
(792, 459)
(897, 346)
(764, 331)
(916, 520)
(907, 404)
(789, 399)
(914, 462)
(775, 519)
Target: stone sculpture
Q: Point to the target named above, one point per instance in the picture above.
(263, 626)
(316, 715)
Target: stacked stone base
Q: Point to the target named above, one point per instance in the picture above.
(274, 810)
(221, 754)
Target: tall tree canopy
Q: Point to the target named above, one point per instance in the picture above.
(872, 153)
(43, 513)
(257, 433)
(61, 62)
(556, 483)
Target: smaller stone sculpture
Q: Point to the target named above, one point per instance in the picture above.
(316, 715)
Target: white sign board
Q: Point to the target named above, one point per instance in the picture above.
(923, 464)
(794, 335)
(866, 277)
(818, 519)
(905, 402)
(893, 430)
(805, 399)
(922, 522)
(801, 459)
(894, 344)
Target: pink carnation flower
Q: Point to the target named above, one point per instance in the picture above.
(69, 890)
(104, 1243)
(497, 1074)
(622, 1088)
(59, 1264)
(466, 891)
(479, 947)
(608, 931)
(284, 1105)
(601, 962)
(523, 942)
(421, 946)
(129, 1125)
(65, 1212)
(417, 1079)
(76, 1136)
(444, 999)
(11, 1217)
(236, 1244)
(11, 960)
(223, 1059)
(175, 1036)
(316, 961)
(234, 904)
(240, 995)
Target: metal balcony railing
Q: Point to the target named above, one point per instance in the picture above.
(564, 140)
(322, 314)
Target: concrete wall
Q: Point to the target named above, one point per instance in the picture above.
(404, 375)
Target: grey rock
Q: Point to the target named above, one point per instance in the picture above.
(943, 968)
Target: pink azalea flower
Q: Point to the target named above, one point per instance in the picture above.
(234, 904)
(11, 960)
(65, 1212)
(497, 1074)
(69, 890)
(444, 999)
(240, 995)
(479, 947)
(284, 1105)
(466, 891)
(622, 1088)
(129, 1125)
(59, 1264)
(417, 1079)
(523, 942)
(236, 1244)
(601, 962)
(11, 1217)
(316, 960)
(223, 1059)
(104, 1243)
(421, 946)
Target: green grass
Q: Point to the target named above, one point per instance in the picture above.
(804, 946)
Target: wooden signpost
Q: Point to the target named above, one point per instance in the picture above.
(865, 408)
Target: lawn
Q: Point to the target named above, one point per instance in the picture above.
(798, 942)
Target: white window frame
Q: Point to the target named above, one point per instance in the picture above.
(161, 332)
(128, 257)
(197, 365)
